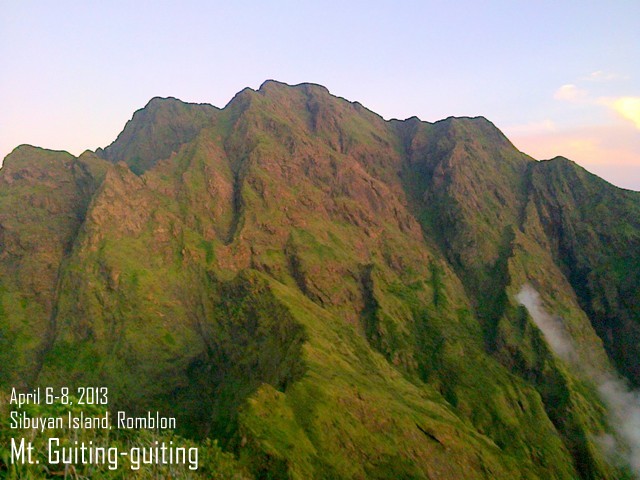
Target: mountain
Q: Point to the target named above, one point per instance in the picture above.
(326, 293)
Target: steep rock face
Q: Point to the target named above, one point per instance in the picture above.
(157, 131)
(594, 232)
(470, 191)
(467, 182)
(329, 293)
(43, 200)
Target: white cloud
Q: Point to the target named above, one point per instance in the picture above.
(628, 108)
(570, 93)
(602, 76)
(552, 327)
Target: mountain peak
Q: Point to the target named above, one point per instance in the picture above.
(268, 85)
(159, 101)
(172, 102)
(156, 131)
(30, 156)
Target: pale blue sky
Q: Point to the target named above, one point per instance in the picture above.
(559, 78)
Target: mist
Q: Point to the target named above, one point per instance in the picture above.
(623, 404)
(552, 327)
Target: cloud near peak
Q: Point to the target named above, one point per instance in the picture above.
(626, 107)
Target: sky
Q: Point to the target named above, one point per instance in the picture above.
(558, 78)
